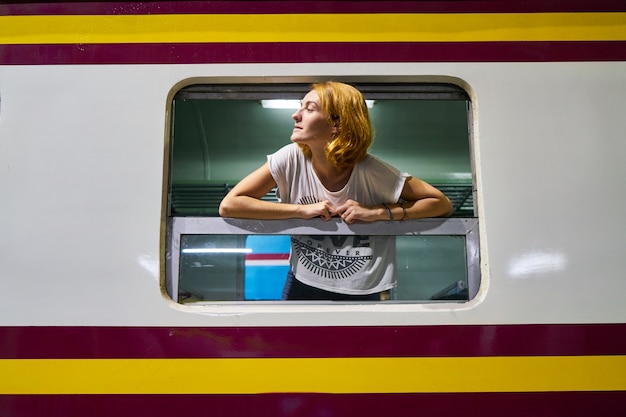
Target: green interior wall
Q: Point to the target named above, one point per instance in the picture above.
(224, 140)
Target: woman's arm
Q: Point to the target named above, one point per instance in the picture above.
(244, 201)
(421, 200)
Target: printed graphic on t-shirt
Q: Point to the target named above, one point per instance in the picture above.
(333, 257)
(308, 199)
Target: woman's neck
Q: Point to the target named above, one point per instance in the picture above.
(332, 177)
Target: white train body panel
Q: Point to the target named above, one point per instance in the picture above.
(82, 151)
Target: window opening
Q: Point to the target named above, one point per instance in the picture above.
(220, 133)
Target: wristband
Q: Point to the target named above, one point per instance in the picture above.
(388, 211)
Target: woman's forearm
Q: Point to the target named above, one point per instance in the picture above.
(424, 208)
(245, 207)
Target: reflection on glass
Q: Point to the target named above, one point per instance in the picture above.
(240, 267)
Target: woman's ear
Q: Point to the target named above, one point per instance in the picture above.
(336, 124)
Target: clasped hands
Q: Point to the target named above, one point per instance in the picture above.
(350, 211)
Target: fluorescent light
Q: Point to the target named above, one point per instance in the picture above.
(280, 104)
(217, 250)
(295, 104)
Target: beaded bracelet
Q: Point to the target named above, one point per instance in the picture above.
(388, 211)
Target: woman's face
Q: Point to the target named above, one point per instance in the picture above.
(311, 125)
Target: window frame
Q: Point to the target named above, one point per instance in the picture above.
(179, 226)
(176, 227)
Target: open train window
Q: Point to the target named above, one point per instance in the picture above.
(220, 133)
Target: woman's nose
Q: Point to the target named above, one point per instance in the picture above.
(296, 115)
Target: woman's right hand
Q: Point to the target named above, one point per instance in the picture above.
(323, 209)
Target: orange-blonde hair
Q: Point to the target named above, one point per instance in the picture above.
(344, 107)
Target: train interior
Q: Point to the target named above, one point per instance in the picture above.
(220, 133)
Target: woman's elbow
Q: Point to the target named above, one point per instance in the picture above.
(225, 208)
(223, 211)
(446, 207)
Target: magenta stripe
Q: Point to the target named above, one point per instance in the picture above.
(259, 342)
(253, 7)
(545, 404)
(190, 53)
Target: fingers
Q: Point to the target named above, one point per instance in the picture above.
(348, 211)
(327, 211)
(349, 215)
(345, 206)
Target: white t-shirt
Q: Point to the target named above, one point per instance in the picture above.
(343, 264)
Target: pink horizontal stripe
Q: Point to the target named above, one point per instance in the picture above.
(319, 342)
(544, 404)
(261, 7)
(197, 53)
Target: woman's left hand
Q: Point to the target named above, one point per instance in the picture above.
(352, 211)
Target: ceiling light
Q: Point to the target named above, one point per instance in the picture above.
(280, 104)
(295, 104)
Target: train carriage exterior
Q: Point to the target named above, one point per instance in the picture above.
(89, 323)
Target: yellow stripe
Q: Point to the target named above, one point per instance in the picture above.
(336, 375)
(183, 28)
